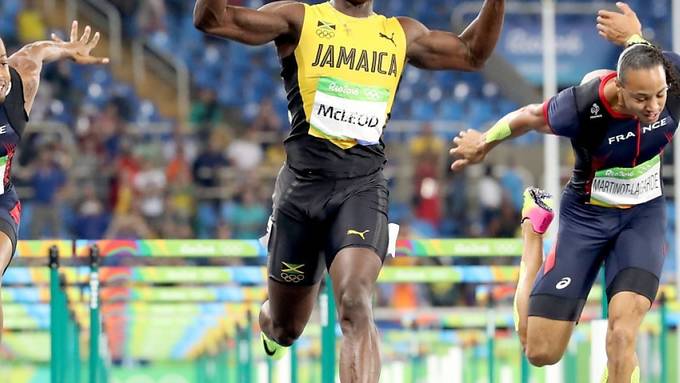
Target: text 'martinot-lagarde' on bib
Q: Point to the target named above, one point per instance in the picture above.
(625, 187)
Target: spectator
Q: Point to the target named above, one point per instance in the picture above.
(427, 190)
(59, 76)
(149, 189)
(245, 153)
(92, 218)
(47, 180)
(128, 10)
(31, 26)
(490, 196)
(177, 166)
(428, 143)
(208, 164)
(89, 163)
(9, 10)
(224, 231)
(267, 120)
(125, 167)
(504, 225)
(181, 192)
(127, 222)
(129, 226)
(456, 207)
(151, 17)
(205, 110)
(249, 216)
(514, 179)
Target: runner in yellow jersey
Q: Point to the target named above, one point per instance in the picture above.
(341, 66)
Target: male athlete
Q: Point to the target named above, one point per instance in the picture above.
(19, 80)
(612, 210)
(341, 68)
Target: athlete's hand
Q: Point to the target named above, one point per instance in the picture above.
(78, 49)
(469, 148)
(618, 27)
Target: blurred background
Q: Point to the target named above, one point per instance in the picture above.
(181, 138)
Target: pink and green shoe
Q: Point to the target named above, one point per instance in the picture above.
(538, 209)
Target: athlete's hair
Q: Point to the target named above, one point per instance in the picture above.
(646, 56)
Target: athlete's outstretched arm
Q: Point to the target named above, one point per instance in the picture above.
(469, 51)
(280, 19)
(471, 146)
(28, 61)
(618, 27)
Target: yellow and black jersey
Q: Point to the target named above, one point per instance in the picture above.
(341, 82)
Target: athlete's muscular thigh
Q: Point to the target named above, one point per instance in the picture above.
(547, 339)
(5, 252)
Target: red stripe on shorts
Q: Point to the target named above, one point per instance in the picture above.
(550, 260)
(16, 213)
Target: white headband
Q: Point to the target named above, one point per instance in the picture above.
(623, 54)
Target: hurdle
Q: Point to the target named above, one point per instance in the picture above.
(64, 331)
(161, 303)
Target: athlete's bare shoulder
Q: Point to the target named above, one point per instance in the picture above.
(293, 10)
(595, 74)
(285, 5)
(413, 29)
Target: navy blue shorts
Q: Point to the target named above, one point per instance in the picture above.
(630, 242)
(10, 216)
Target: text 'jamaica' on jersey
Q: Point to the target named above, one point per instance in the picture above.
(341, 82)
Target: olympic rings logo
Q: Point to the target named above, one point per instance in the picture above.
(325, 33)
(372, 94)
(292, 278)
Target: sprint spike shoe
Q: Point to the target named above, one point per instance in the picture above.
(538, 209)
(271, 348)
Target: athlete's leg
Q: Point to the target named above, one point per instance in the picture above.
(560, 289)
(295, 268)
(633, 269)
(354, 253)
(285, 314)
(626, 312)
(544, 340)
(549, 337)
(537, 214)
(6, 250)
(354, 273)
(532, 259)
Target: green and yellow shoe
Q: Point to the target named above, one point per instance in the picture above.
(634, 377)
(271, 348)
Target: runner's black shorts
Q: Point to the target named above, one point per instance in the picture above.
(314, 218)
(10, 216)
(630, 242)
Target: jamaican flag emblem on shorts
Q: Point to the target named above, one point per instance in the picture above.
(292, 273)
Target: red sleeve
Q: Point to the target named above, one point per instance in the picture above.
(545, 115)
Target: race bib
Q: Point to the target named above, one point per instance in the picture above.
(3, 168)
(349, 111)
(622, 187)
